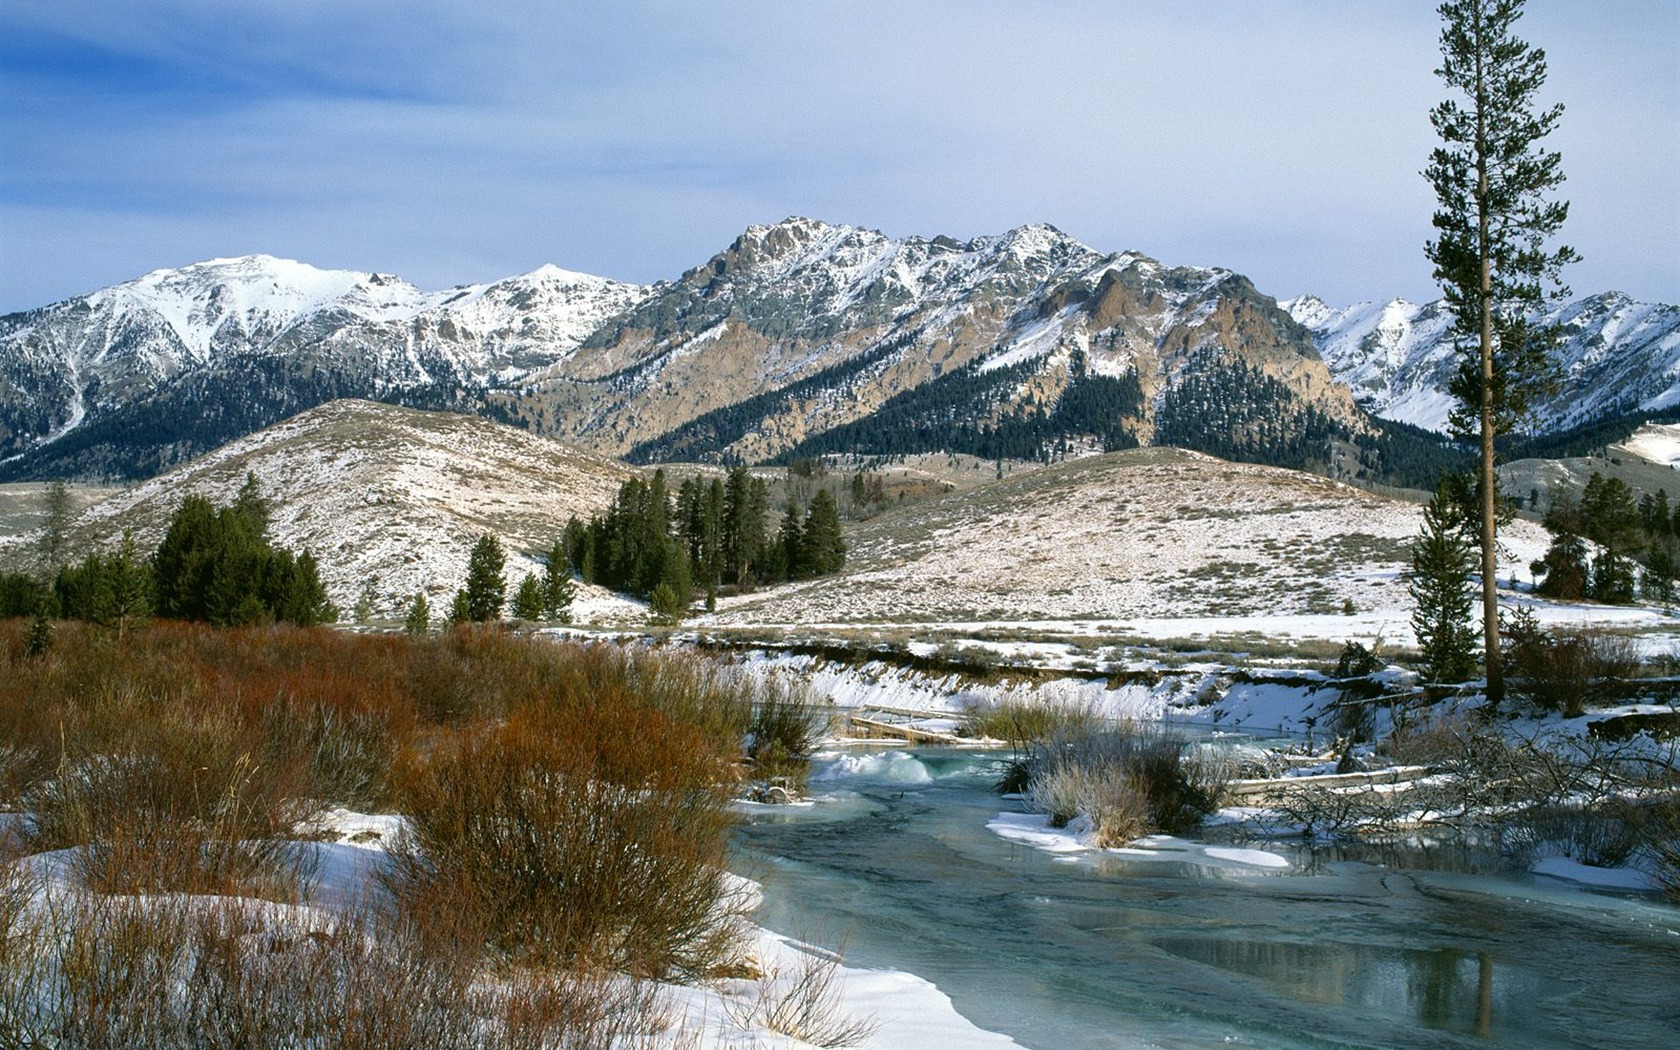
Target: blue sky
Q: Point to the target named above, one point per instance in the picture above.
(451, 142)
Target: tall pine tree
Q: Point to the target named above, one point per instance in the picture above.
(823, 550)
(1494, 220)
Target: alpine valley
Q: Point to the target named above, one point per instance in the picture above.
(799, 339)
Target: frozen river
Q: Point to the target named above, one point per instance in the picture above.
(1098, 950)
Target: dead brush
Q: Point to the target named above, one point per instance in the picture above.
(1120, 770)
(1019, 719)
(782, 734)
(172, 973)
(803, 1002)
(575, 840)
(180, 806)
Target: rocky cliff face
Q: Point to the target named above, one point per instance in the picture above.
(843, 322)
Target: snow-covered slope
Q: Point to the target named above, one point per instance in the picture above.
(1617, 355)
(390, 499)
(1142, 535)
(1657, 443)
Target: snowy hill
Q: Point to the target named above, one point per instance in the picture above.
(387, 497)
(1141, 535)
(1655, 443)
(1617, 356)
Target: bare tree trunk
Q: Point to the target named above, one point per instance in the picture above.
(1490, 550)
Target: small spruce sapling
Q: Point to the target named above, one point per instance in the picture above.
(528, 600)
(419, 619)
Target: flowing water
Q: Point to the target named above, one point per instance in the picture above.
(1107, 951)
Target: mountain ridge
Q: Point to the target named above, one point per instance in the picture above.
(1616, 355)
(797, 336)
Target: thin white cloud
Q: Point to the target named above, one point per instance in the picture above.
(452, 142)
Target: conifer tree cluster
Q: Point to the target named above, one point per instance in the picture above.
(1637, 541)
(214, 564)
(709, 535)
(1229, 408)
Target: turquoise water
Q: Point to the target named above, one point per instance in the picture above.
(1102, 951)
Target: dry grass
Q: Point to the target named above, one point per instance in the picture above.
(1019, 719)
(248, 977)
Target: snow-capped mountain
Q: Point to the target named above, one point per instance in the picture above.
(1617, 356)
(131, 379)
(804, 328)
(798, 332)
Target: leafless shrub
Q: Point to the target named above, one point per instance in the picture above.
(577, 841)
(1344, 811)
(783, 732)
(1603, 835)
(1120, 770)
(181, 808)
(803, 1002)
(1566, 669)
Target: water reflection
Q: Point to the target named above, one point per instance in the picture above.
(1444, 988)
(1374, 947)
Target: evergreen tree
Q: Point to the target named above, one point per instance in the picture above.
(1439, 583)
(128, 587)
(823, 550)
(40, 629)
(460, 609)
(574, 540)
(486, 588)
(670, 597)
(528, 599)
(1562, 573)
(1610, 516)
(419, 618)
(1656, 584)
(19, 594)
(710, 540)
(664, 606)
(78, 589)
(558, 589)
(55, 527)
(251, 503)
(789, 557)
(1612, 578)
(185, 560)
(363, 612)
(299, 596)
(1492, 181)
